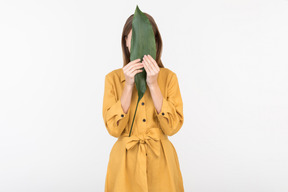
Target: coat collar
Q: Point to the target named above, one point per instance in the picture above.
(122, 76)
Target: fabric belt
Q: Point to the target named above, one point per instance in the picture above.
(148, 139)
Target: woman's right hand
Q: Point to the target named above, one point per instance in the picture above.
(131, 69)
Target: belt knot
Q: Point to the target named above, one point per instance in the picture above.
(148, 139)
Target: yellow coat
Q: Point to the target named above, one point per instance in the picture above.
(146, 161)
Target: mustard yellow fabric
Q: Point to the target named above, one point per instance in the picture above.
(146, 161)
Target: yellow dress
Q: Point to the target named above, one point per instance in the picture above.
(146, 161)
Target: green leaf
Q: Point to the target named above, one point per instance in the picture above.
(142, 43)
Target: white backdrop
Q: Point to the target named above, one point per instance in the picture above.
(231, 61)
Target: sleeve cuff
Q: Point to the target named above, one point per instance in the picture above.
(117, 110)
(164, 110)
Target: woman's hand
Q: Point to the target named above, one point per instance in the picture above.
(130, 70)
(152, 69)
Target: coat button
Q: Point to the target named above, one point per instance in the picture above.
(122, 115)
(162, 113)
(144, 120)
(142, 103)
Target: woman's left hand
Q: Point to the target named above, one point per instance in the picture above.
(152, 69)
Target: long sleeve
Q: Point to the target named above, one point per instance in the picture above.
(113, 115)
(171, 115)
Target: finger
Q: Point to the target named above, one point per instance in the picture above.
(154, 65)
(154, 62)
(133, 67)
(136, 60)
(132, 62)
(136, 71)
(136, 67)
(145, 67)
(148, 65)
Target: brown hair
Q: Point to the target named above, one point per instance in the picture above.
(126, 29)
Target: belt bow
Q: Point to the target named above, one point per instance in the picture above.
(150, 138)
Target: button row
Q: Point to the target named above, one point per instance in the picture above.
(144, 120)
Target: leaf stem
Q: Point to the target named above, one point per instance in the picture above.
(134, 116)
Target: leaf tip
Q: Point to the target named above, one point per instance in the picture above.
(137, 9)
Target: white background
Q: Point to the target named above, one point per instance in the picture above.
(231, 61)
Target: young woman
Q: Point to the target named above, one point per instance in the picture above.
(146, 161)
